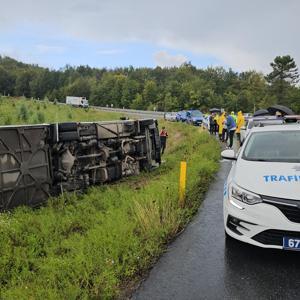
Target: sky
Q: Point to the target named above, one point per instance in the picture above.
(239, 34)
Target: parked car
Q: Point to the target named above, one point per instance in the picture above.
(206, 121)
(194, 117)
(259, 121)
(247, 115)
(170, 116)
(181, 116)
(262, 192)
(291, 119)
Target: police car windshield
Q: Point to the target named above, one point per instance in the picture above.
(273, 146)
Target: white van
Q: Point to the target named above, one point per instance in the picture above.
(77, 101)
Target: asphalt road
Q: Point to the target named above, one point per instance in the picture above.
(201, 264)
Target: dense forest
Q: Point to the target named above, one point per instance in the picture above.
(165, 89)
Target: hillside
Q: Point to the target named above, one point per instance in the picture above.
(15, 111)
(165, 89)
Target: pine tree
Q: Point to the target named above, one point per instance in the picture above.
(284, 75)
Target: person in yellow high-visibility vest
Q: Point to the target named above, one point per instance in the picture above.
(234, 116)
(221, 121)
(239, 124)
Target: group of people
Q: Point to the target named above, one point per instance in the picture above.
(222, 124)
(226, 125)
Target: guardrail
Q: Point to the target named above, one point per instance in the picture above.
(148, 113)
(130, 111)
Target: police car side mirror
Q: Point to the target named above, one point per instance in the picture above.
(228, 154)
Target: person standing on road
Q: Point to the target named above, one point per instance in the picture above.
(224, 131)
(163, 139)
(221, 120)
(239, 125)
(216, 126)
(211, 123)
(231, 127)
(234, 116)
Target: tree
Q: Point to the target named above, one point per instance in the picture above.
(7, 81)
(253, 92)
(294, 95)
(80, 88)
(138, 102)
(284, 75)
(41, 83)
(174, 88)
(22, 86)
(129, 89)
(284, 69)
(231, 101)
(169, 103)
(150, 92)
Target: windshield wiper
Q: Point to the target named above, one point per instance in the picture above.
(256, 159)
(282, 160)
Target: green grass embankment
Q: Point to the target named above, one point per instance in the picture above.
(20, 111)
(95, 244)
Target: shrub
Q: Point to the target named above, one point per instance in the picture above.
(40, 117)
(23, 113)
(8, 120)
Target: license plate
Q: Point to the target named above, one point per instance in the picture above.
(290, 243)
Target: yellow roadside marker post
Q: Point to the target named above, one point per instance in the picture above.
(182, 184)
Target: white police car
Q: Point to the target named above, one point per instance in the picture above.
(262, 191)
(259, 121)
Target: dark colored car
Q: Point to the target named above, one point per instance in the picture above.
(181, 116)
(194, 117)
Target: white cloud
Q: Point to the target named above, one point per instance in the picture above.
(21, 54)
(6, 50)
(241, 34)
(50, 49)
(164, 59)
(109, 51)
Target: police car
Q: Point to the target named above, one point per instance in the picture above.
(259, 121)
(262, 191)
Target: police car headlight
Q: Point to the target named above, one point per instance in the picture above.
(244, 196)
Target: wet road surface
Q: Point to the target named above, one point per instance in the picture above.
(201, 264)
